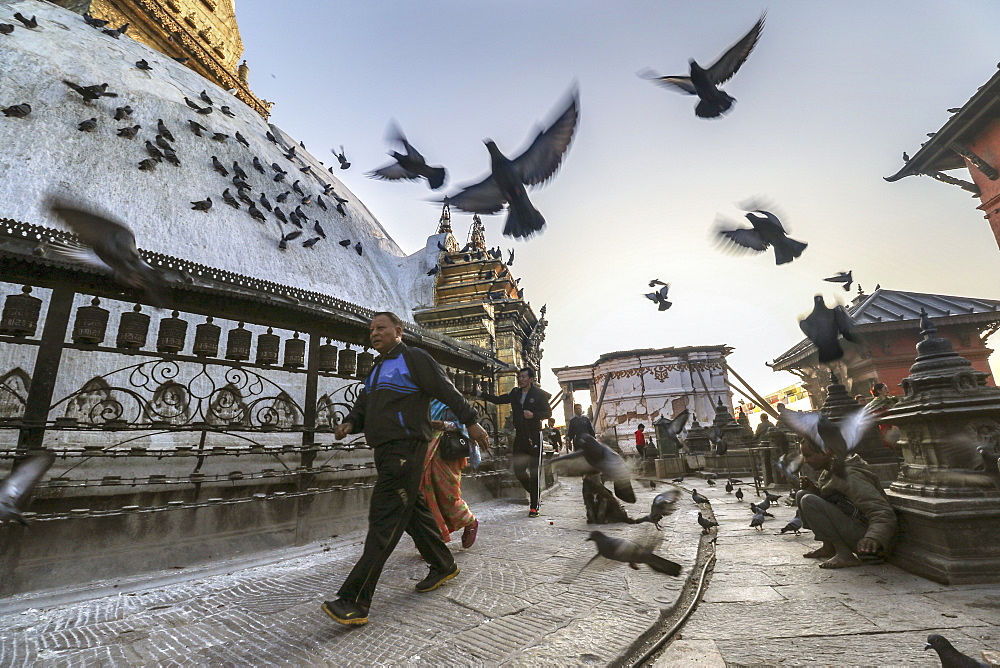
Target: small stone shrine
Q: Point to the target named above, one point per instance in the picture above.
(947, 499)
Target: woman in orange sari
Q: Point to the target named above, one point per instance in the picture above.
(441, 484)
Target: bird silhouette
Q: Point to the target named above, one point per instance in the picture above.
(6, 28)
(108, 246)
(433, 270)
(706, 524)
(227, 111)
(147, 165)
(205, 98)
(241, 139)
(93, 22)
(663, 504)
(341, 158)
(739, 494)
(767, 231)
(705, 82)
(410, 166)
(256, 213)
(143, 65)
(842, 277)
(508, 178)
(626, 551)
(116, 32)
(220, 136)
(16, 488)
(345, 243)
(824, 327)
(197, 128)
(309, 243)
(228, 198)
(698, 498)
(660, 298)
(671, 429)
(202, 205)
(219, 167)
(257, 165)
(357, 248)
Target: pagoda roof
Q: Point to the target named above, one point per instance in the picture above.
(936, 155)
(896, 309)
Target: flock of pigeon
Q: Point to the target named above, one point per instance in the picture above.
(267, 193)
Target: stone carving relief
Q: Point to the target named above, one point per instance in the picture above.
(14, 393)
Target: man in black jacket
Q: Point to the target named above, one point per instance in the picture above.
(529, 406)
(393, 412)
(578, 425)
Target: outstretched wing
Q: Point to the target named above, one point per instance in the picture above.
(16, 488)
(393, 172)
(844, 323)
(853, 427)
(542, 158)
(805, 425)
(483, 197)
(730, 62)
(92, 229)
(673, 82)
(677, 425)
(79, 255)
(745, 238)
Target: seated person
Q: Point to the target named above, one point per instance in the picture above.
(846, 509)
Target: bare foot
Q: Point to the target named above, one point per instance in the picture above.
(841, 562)
(821, 553)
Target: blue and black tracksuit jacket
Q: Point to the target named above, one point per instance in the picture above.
(394, 404)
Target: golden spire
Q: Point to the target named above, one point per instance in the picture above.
(444, 225)
(478, 233)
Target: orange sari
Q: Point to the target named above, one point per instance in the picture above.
(441, 486)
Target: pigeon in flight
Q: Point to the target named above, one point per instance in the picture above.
(604, 460)
(837, 438)
(342, 157)
(705, 82)
(412, 166)
(789, 464)
(508, 178)
(706, 524)
(766, 231)
(660, 298)
(951, 657)
(618, 549)
(824, 326)
(672, 430)
(663, 504)
(17, 487)
(108, 246)
(842, 277)
(653, 283)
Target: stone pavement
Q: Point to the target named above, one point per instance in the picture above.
(518, 600)
(766, 605)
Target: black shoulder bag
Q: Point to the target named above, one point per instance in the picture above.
(454, 445)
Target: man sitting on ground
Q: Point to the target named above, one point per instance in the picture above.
(849, 512)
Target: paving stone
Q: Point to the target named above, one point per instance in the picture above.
(701, 653)
(898, 612)
(727, 594)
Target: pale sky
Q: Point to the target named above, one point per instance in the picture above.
(832, 95)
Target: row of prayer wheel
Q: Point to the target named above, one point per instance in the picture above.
(21, 313)
(468, 383)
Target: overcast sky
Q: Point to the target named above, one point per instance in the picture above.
(826, 104)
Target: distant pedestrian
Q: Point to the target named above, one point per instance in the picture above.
(529, 406)
(879, 405)
(393, 412)
(552, 436)
(640, 440)
(762, 429)
(578, 425)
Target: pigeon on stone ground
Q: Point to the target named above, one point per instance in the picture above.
(760, 509)
(729, 487)
(508, 178)
(16, 488)
(698, 498)
(663, 504)
(680, 479)
(603, 460)
(824, 326)
(771, 498)
(766, 232)
(951, 657)
(706, 524)
(109, 247)
(660, 298)
(758, 521)
(842, 277)
(618, 549)
(410, 166)
(739, 495)
(711, 483)
(795, 525)
(705, 82)
(26, 22)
